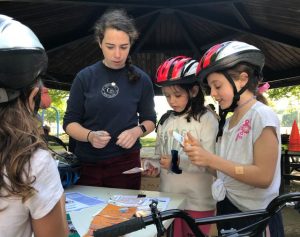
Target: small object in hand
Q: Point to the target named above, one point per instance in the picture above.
(134, 170)
(178, 138)
(100, 133)
(174, 166)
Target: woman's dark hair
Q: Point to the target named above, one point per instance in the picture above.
(133, 76)
(115, 19)
(119, 20)
(255, 78)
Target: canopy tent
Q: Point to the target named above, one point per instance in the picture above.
(167, 28)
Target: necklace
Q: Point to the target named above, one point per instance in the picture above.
(237, 115)
(246, 102)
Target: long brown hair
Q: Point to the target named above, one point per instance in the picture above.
(19, 139)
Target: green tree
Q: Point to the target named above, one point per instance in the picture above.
(291, 96)
(284, 92)
(288, 118)
(59, 99)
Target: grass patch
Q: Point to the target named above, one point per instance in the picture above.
(148, 142)
(64, 137)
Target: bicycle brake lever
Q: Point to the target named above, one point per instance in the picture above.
(157, 218)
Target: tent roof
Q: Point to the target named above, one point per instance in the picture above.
(167, 28)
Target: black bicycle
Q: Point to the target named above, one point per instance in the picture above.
(156, 217)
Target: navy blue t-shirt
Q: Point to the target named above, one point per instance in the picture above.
(104, 99)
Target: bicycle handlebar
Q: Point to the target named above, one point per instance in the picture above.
(121, 228)
(139, 223)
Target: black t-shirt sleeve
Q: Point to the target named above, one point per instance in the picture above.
(75, 103)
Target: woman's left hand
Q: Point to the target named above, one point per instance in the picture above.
(128, 137)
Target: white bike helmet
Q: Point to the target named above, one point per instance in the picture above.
(226, 55)
(22, 58)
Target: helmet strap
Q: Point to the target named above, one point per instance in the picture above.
(236, 94)
(222, 114)
(236, 98)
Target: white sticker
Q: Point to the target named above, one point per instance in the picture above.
(178, 138)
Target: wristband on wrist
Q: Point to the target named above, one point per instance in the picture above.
(87, 137)
(143, 128)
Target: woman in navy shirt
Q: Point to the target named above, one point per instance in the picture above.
(111, 105)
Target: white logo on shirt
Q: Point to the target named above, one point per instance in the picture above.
(110, 90)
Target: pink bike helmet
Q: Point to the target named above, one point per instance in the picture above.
(176, 70)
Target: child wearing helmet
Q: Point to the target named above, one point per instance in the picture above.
(176, 76)
(247, 159)
(31, 194)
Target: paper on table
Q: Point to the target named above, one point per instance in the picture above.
(108, 216)
(134, 170)
(76, 201)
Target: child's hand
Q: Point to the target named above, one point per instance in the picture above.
(165, 161)
(195, 152)
(189, 140)
(151, 171)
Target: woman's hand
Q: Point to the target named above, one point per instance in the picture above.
(99, 139)
(128, 137)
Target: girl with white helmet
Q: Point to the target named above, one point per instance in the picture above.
(176, 76)
(31, 194)
(247, 159)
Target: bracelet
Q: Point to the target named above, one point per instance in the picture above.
(87, 137)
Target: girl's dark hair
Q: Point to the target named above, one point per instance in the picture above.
(255, 78)
(19, 138)
(119, 20)
(197, 107)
